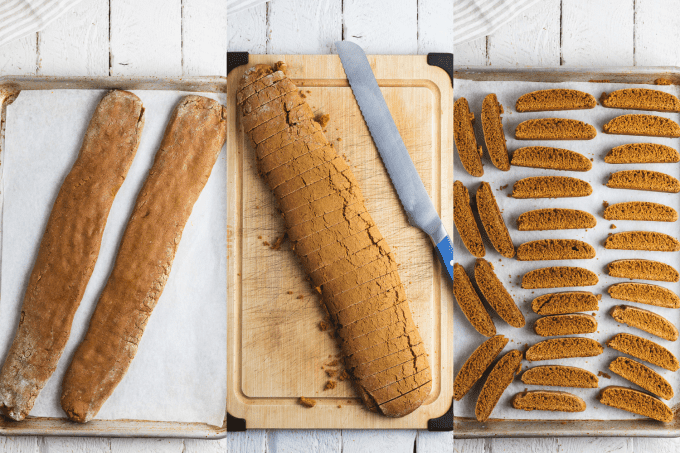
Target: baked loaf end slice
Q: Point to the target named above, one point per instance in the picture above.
(551, 187)
(555, 219)
(78, 217)
(643, 376)
(643, 270)
(642, 153)
(550, 159)
(648, 125)
(645, 350)
(469, 152)
(560, 376)
(641, 99)
(554, 129)
(495, 293)
(470, 304)
(645, 320)
(465, 221)
(555, 99)
(640, 210)
(548, 400)
(492, 220)
(493, 132)
(564, 303)
(501, 376)
(189, 148)
(643, 180)
(636, 402)
(478, 362)
(642, 240)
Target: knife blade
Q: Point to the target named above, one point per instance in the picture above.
(405, 178)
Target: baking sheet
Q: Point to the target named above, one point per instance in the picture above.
(179, 373)
(510, 271)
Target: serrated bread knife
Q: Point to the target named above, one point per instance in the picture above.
(412, 194)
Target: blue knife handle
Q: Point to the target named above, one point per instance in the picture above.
(445, 252)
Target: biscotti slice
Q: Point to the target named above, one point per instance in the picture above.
(560, 376)
(642, 376)
(68, 250)
(361, 310)
(546, 400)
(391, 315)
(641, 99)
(642, 153)
(268, 94)
(501, 376)
(550, 159)
(645, 293)
(643, 180)
(563, 348)
(551, 187)
(554, 129)
(470, 304)
(564, 303)
(555, 249)
(642, 240)
(492, 220)
(496, 295)
(376, 366)
(645, 320)
(645, 350)
(572, 324)
(475, 365)
(640, 210)
(558, 277)
(636, 402)
(649, 125)
(469, 152)
(555, 219)
(494, 137)
(555, 99)
(465, 221)
(643, 270)
(187, 153)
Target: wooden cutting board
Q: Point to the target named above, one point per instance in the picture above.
(276, 349)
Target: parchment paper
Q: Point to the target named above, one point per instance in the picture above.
(179, 373)
(510, 271)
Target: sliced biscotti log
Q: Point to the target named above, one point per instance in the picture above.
(323, 171)
(385, 335)
(555, 219)
(329, 203)
(404, 404)
(304, 162)
(256, 79)
(475, 365)
(78, 217)
(360, 293)
(554, 129)
(645, 293)
(391, 315)
(399, 388)
(330, 228)
(567, 302)
(384, 265)
(555, 99)
(494, 137)
(287, 136)
(268, 94)
(641, 99)
(636, 402)
(405, 340)
(469, 152)
(643, 180)
(547, 400)
(465, 221)
(642, 240)
(572, 324)
(319, 189)
(371, 368)
(551, 187)
(643, 270)
(187, 153)
(555, 249)
(496, 295)
(550, 159)
(470, 304)
(648, 125)
(501, 376)
(270, 110)
(642, 376)
(642, 153)
(280, 123)
(564, 348)
(361, 310)
(560, 376)
(640, 210)
(347, 261)
(644, 349)
(394, 374)
(558, 277)
(645, 320)
(290, 152)
(493, 222)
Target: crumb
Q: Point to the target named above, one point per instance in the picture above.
(281, 66)
(343, 376)
(302, 95)
(333, 363)
(308, 91)
(339, 406)
(259, 237)
(278, 242)
(290, 292)
(504, 187)
(323, 326)
(307, 402)
(257, 206)
(613, 227)
(265, 243)
(332, 373)
(301, 296)
(662, 81)
(604, 375)
(605, 204)
(323, 119)
(318, 289)
(339, 139)
(592, 160)
(330, 385)
(593, 314)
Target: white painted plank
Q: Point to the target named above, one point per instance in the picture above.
(78, 42)
(304, 441)
(471, 53)
(470, 446)
(205, 446)
(304, 26)
(646, 444)
(204, 37)
(435, 30)
(147, 445)
(380, 29)
(530, 39)
(247, 30)
(428, 442)
(372, 440)
(146, 38)
(251, 441)
(537, 445)
(19, 57)
(596, 445)
(597, 33)
(74, 445)
(657, 33)
(18, 444)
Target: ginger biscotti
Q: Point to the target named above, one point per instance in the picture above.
(554, 129)
(640, 210)
(642, 240)
(551, 187)
(465, 222)
(645, 320)
(548, 400)
(642, 153)
(550, 159)
(648, 125)
(645, 293)
(555, 249)
(563, 348)
(644, 349)
(643, 376)
(641, 99)
(571, 324)
(637, 402)
(560, 376)
(469, 302)
(478, 362)
(653, 181)
(558, 277)
(494, 137)
(566, 302)
(555, 219)
(555, 99)
(501, 376)
(640, 269)
(495, 293)
(493, 222)
(469, 152)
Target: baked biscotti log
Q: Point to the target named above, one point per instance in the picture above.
(643, 376)
(339, 246)
(494, 137)
(469, 152)
(548, 400)
(69, 249)
(637, 402)
(555, 99)
(478, 362)
(189, 148)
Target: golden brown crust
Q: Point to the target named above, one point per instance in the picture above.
(548, 400)
(566, 302)
(554, 129)
(550, 158)
(642, 240)
(644, 293)
(501, 376)
(470, 304)
(492, 220)
(648, 125)
(643, 180)
(643, 270)
(496, 295)
(555, 219)
(645, 350)
(555, 99)
(560, 376)
(642, 376)
(558, 277)
(640, 210)
(641, 99)
(637, 402)
(555, 249)
(469, 152)
(645, 320)
(465, 221)
(551, 187)
(494, 137)
(642, 153)
(571, 324)
(475, 365)
(563, 348)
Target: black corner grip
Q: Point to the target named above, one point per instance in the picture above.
(442, 60)
(236, 59)
(443, 423)
(234, 424)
